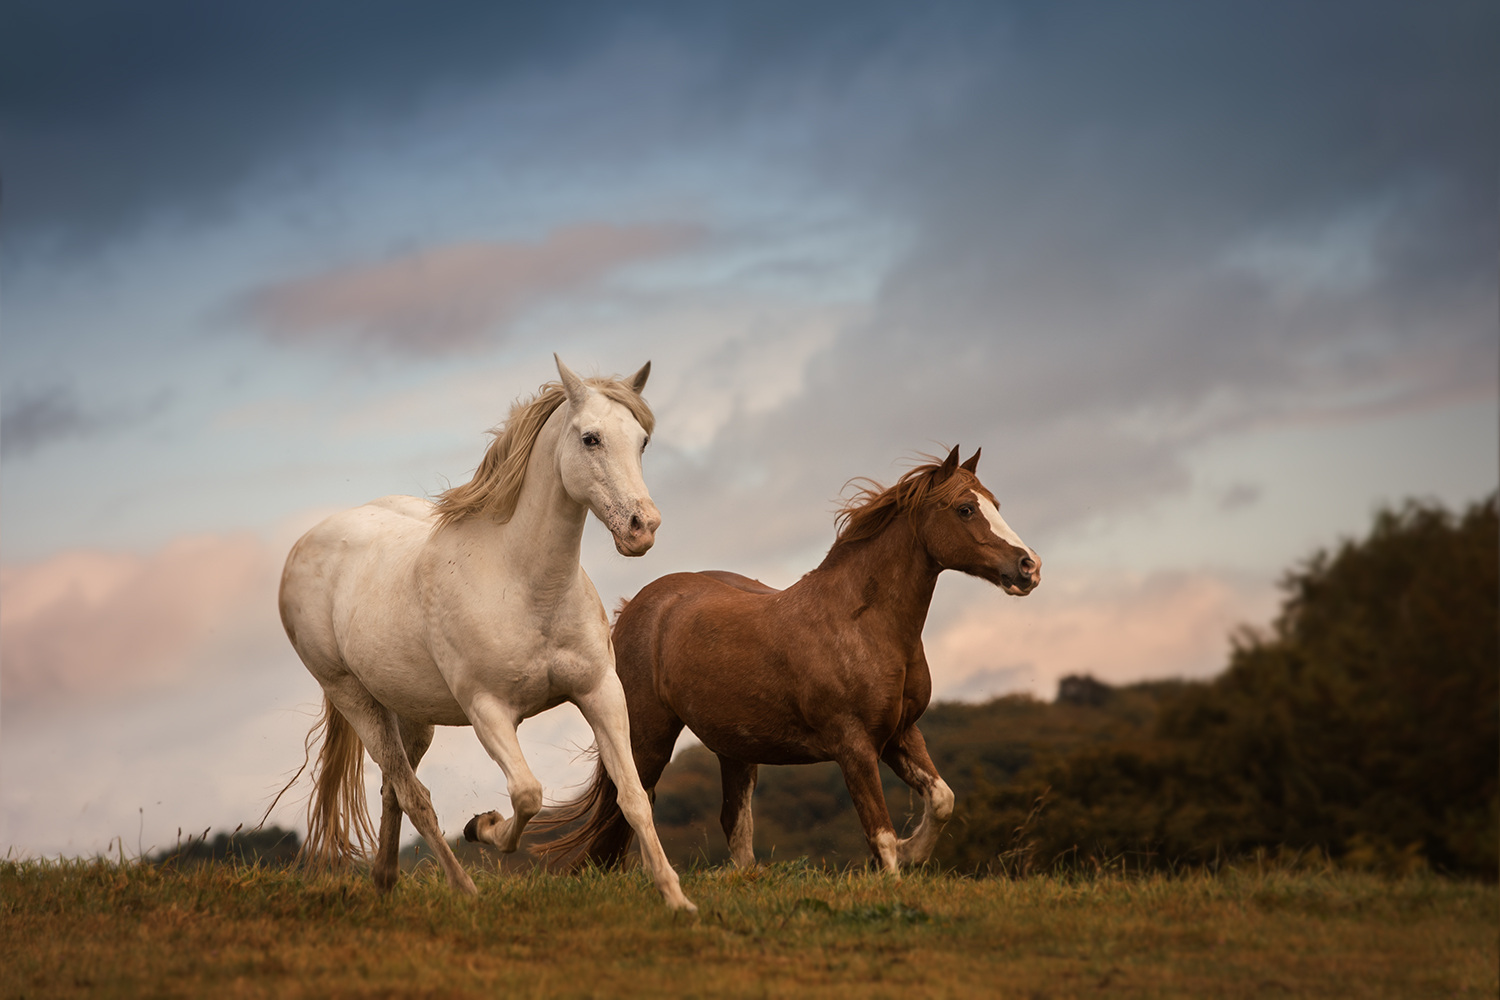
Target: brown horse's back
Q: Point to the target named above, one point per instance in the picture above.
(739, 581)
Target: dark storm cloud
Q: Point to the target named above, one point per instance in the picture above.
(1139, 227)
(35, 418)
(112, 112)
(1131, 227)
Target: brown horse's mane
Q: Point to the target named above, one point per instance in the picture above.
(496, 485)
(867, 512)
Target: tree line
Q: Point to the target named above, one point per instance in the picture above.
(1364, 725)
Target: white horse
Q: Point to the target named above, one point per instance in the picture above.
(474, 611)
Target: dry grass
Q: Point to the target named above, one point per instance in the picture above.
(107, 929)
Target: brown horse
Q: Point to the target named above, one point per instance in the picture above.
(831, 668)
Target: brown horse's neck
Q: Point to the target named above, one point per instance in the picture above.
(886, 581)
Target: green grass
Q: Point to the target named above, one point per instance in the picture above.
(106, 929)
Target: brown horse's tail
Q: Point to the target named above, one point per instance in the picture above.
(602, 837)
(338, 821)
(595, 830)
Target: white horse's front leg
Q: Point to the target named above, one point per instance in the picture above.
(605, 709)
(495, 726)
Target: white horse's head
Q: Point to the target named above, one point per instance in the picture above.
(599, 459)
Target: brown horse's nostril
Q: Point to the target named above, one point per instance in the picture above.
(1027, 564)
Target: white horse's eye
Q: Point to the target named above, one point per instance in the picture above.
(591, 439)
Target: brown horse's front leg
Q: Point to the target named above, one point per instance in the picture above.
(861, 770)
(907, 756)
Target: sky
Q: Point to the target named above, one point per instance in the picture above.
(1208, 283)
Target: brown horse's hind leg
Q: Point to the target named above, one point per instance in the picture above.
(907, 756)
(738, 779)
(416, 739)
(651, 743)
(861, 770)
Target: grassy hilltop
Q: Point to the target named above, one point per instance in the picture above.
(105, 929)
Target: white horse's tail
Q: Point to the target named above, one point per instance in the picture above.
(338, 821)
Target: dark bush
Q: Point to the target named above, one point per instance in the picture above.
(274, 847)
(1364, 725)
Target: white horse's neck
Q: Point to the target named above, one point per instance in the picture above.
(545, 534)
(539, 546)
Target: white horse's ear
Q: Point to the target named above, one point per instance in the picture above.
(950, 463)
(972, 465)
(638, 380)
(572, 384)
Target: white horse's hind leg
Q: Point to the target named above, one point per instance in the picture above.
(380, 730)
(605, 709)
(495, 726)
(416, 739)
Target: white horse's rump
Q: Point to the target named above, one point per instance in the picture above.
(475, 611)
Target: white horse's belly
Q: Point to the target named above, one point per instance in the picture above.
(407, 682)
(493, 641)
(427, 626)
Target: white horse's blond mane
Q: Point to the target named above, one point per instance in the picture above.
(496, 485)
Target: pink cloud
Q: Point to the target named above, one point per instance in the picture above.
(1119, 628)
(447, 298)
(92, 623)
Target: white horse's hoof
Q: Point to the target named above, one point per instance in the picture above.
(490, 820)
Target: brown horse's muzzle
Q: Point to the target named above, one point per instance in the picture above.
(1024, 578)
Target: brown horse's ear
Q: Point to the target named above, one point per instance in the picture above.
(949, 464)
(972, 465)
(638, 380)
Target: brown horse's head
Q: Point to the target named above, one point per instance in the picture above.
(955, 518)
(963, 530)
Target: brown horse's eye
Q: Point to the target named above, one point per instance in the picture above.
(965, 510)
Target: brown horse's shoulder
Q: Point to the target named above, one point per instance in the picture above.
(916, 693)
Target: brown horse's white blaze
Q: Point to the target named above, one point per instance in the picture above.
(1022, 567)
(832, 668)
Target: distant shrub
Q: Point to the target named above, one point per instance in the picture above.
(1365, 725)
(274, 847)
(1084, 690)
